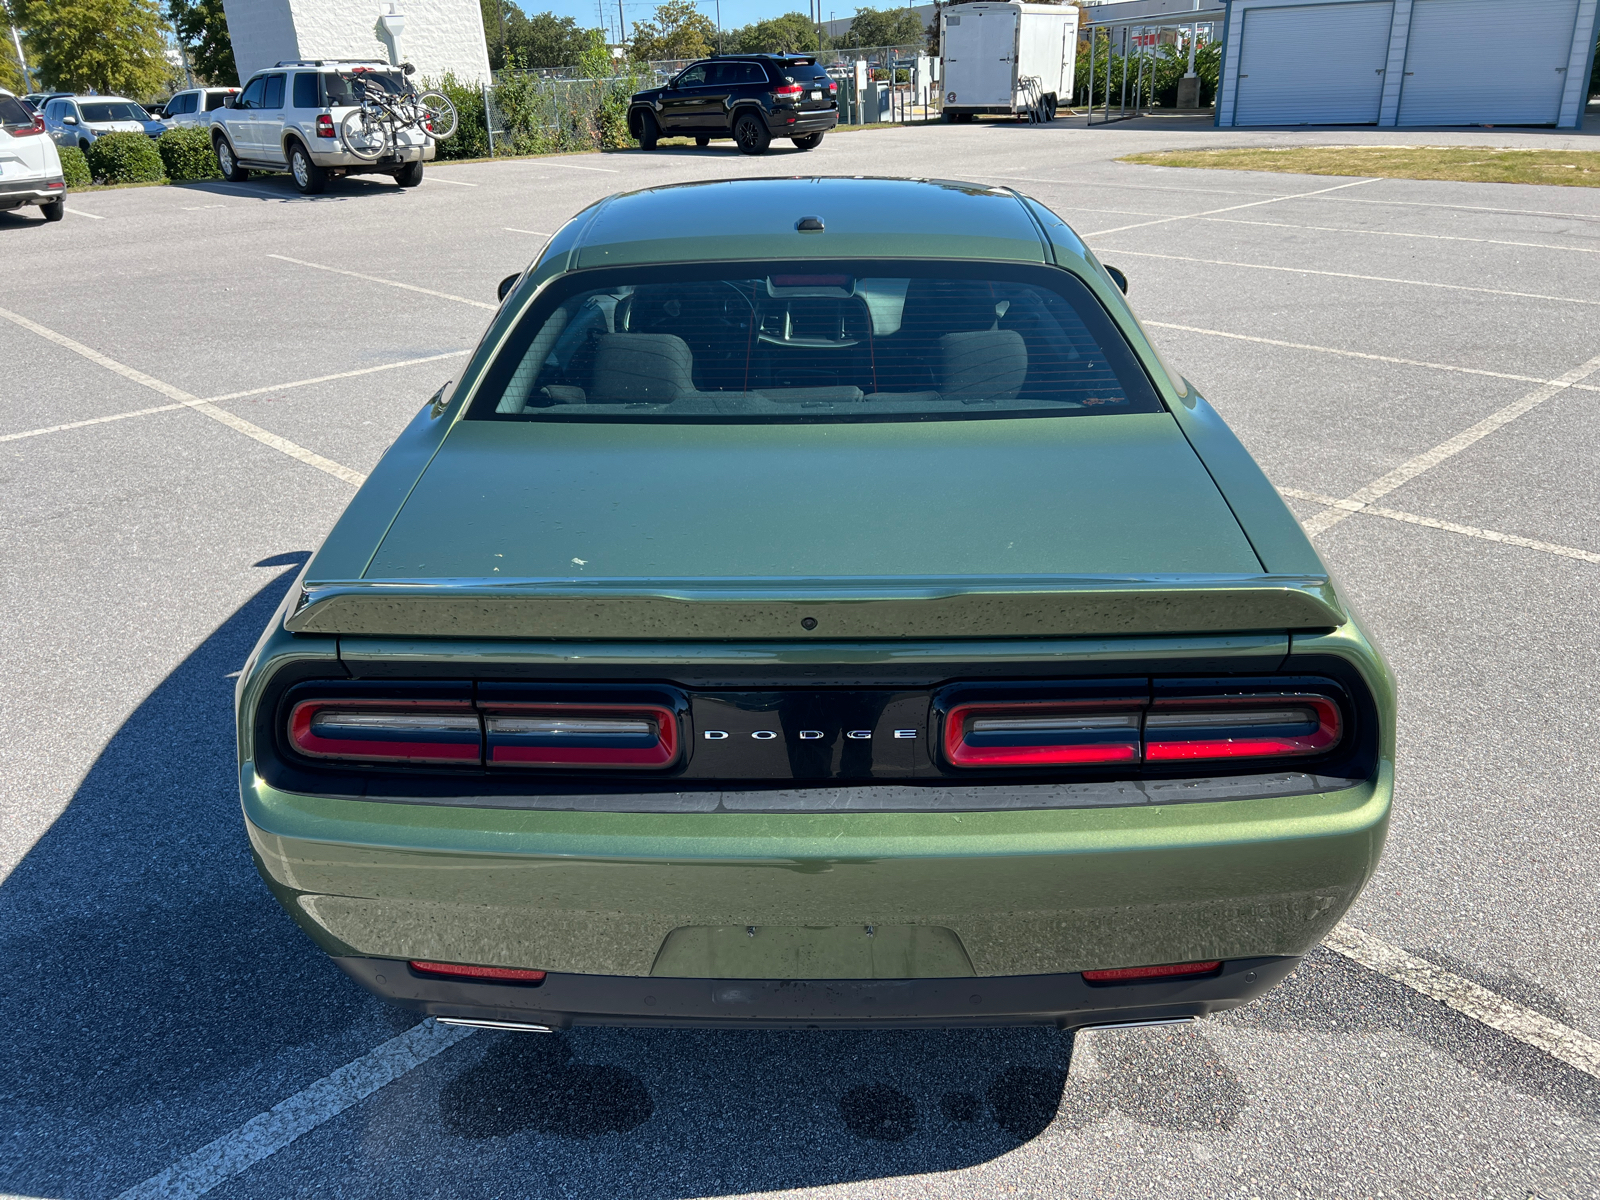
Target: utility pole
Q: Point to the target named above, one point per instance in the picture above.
(16, 39)
(622, 27)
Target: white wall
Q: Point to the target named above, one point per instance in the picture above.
(440, 35)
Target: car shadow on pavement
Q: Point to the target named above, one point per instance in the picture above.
(18, 218)
(157, 997)
(280, 189)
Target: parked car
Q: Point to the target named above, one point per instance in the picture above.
(816, 604)
(286, 119)
(751, 98)
(30, 168)
(81, 120)
(195, 106)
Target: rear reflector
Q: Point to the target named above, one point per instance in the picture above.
(494, 974)
(398, 731)
(1282, 726)
(791, 89)
(1169, 971)
(608, 736)
(1042, 733)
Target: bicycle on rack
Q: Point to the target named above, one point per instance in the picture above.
(372, 129)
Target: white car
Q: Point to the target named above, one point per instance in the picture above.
(81, 120)
(287, 119)
(30, 168)
(193, 108)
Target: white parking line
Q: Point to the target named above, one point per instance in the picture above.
(122, 416)
(394, 283)
(440, 179)
(1432, 237)
(1383, 358)
(1488, 535)
(185, 400)
(78, 212)
(1488, 1008)
(1449, 287)
(1426, 461)
(533, 232)
(556, 162)
(232, 1153)
(1520, 212)
(1230, 208)
(262, 1136)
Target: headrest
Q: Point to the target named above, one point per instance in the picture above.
(633, 368)
(990, 364)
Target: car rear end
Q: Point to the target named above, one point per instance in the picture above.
(30, 167)
(865, 631)
(804, 100)
(338, 94)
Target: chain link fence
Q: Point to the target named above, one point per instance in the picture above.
(566, 109)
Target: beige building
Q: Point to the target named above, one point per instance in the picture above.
(437, 36)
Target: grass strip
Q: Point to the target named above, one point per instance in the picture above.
(1464, 164)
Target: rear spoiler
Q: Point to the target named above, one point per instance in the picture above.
(788, 609)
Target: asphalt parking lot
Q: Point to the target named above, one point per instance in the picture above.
(193, 379)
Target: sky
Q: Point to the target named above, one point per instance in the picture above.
(734, 12)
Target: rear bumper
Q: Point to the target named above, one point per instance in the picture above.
(1062, 1001)
(28, 191)
(1009, 893)
(805, 122)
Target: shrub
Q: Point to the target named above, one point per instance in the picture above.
(187, 155)
(74, 167)
(471, 138)
(125, 158)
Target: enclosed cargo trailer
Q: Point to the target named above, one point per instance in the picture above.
(1007, 58)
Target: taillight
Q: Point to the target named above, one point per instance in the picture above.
(30, 130)
(1233, 727)
(833, 88)
(1041, 733)
(395, 731)
(324, 125)
(1168, 971)
(463, 971)
(791, 89)
(611, 736)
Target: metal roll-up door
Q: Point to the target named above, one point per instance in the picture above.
(1313, 64)
(1472, 62)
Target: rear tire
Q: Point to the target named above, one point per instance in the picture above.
(750, 134)
(649, 131)
(54, 210)
(410, 175)
(229, 164)
(809, 141)
(702, 142)
(309, 178)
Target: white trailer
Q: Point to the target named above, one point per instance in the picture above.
(1005, 57)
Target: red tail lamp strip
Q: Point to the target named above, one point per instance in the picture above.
(610, 736)
(1169, 971)
(1282, 726)
(399, 731)
(1041, 733)
(461, 971)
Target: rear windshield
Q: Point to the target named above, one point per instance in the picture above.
(810, 343)
(804, 73)
(121, 110)
(13, 114)
(339, 89)
(215, 100)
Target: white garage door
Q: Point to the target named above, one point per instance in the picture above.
(1484, 61)
(1315, 64)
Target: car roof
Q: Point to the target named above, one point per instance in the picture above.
(118, 99)
(756, 218)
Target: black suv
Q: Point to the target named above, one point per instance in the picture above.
(752, 98)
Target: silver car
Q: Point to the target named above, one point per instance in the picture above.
(193, 108)
(82, 120)
(287, 120)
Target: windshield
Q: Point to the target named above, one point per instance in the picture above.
(809, 343)
(119, 110)
(340, 89)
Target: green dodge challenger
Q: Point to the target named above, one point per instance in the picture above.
(816, 604)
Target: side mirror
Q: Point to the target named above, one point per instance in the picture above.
(1117, 277)
(69, 120)
(506, 284)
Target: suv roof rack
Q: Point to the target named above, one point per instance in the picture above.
(764, 54)
(329, 62)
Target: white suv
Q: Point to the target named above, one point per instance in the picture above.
(30, 168)
(287, 119)
(195, 106)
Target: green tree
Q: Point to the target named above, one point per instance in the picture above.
(546, 40)
(202, 29)
(678, 31)
(108, 45)
(787, 34)
(890, 27)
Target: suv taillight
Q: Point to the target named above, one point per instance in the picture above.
(324, 125)
(30, 130)
(791, 89)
